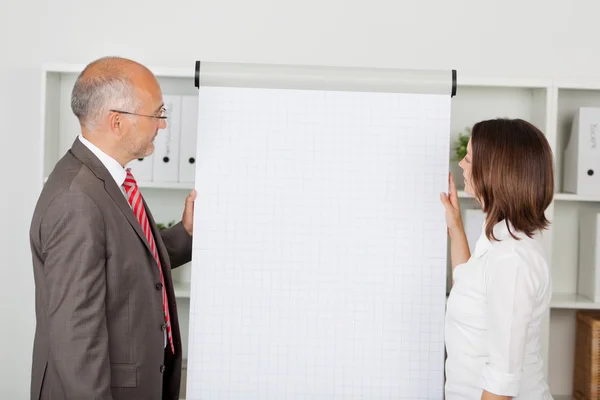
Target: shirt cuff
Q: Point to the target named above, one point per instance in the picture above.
(501, 383)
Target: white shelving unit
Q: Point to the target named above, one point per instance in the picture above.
(548, 104)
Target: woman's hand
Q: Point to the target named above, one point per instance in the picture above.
(490, 396)
(452, 205)
(459, 246)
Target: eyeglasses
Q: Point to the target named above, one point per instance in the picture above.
(163, 114)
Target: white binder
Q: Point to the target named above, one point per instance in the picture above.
(142, 168)
(581, 173)
(166, 152)
(588, 283)
(189, 131)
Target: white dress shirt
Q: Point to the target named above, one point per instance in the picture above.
(115, 169)
(493, 317)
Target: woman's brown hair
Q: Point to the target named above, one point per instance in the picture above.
(512, 174)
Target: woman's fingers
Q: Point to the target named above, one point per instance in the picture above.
(446, 202)
(453, 193)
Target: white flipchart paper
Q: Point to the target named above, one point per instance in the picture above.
(319, 261)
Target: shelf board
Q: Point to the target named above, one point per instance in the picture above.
(182, 289)
(573, 301)
(501, 82)
(162, 185)
(463, 80)
(575, 197)
(557, 196)
(167, 185)
(578, 84)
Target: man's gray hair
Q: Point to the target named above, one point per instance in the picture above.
(106, 88)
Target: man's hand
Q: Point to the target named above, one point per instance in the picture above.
(188, 213)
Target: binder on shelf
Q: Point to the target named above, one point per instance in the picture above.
(588, 280)
(189, 130)
(142, 168)
(166, 144)
(581, 173)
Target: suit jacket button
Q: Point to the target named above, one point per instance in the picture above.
(163, 327)
(162, 369)
(159, 286)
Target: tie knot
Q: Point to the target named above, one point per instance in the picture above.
(129, 179)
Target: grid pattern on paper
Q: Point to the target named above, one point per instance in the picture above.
(319, 264)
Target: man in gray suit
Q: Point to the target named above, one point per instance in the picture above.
(107, 325)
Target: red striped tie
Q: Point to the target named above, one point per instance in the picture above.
(135, 199)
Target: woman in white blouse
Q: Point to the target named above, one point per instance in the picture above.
(501, 292)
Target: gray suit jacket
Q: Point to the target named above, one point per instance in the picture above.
(99, 313)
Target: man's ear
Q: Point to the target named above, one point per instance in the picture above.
(115, 122)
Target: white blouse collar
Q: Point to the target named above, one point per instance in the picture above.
(501, 232)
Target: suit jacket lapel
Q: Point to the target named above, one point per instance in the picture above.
(95, 165)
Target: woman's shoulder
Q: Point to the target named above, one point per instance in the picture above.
(523, 255)
(511, 243)
(520, 268)
(521, 248)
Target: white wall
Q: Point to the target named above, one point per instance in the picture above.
(505, 38)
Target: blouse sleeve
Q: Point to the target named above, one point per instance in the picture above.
(510, 297)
